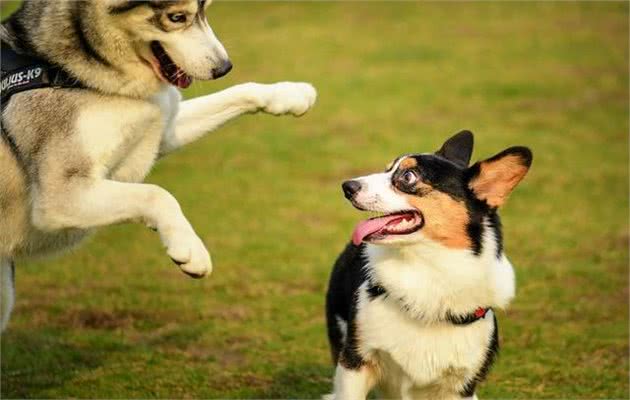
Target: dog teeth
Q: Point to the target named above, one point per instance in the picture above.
(402, 226)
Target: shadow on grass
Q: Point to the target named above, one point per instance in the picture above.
(310, 380)
(34, 361)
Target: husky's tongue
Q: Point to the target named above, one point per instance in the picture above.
(370, 226)
(184, 81)
(167, 69)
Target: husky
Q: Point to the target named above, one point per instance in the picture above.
(410, 301)
(73, 156)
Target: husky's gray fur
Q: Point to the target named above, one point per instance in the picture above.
(80, 155)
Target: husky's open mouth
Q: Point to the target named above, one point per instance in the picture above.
(378, 228)
(166, 69)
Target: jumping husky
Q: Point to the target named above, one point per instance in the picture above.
(72, 155)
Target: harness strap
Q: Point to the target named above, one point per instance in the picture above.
(21, 72)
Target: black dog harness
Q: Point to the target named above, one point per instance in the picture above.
(20, 72)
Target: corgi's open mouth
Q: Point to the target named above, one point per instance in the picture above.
(378, 228)
(166, 69)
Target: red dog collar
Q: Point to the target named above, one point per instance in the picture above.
(465, 319)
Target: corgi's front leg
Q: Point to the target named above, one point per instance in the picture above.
(353, 383)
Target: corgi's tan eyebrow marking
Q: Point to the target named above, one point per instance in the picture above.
(400, 161)
(408, 162)
(395, 163)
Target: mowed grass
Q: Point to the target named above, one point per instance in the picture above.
(115, 319)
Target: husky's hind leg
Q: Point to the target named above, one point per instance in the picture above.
(7, 291)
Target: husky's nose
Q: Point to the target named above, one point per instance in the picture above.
(350, 188)
(222, 70)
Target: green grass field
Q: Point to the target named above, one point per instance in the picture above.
(115, 319)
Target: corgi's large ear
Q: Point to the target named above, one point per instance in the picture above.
(458, 148)
(494, 179)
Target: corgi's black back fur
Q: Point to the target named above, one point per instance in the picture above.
(347, 275)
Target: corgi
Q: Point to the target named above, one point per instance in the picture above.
(410, 300)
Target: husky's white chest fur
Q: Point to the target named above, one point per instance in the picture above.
(114, 138)
(141, 126)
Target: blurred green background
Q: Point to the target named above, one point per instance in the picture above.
(115, 319)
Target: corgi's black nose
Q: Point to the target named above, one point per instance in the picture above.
(222, 70)
(350, 188)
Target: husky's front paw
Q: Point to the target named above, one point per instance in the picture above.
(289, 98)
(190, 254)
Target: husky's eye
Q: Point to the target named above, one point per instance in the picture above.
(178, 18)
(409, 178)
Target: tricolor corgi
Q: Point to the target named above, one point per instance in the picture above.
(410, 300)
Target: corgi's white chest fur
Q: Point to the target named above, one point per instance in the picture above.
(415, 357)
(433, 280)
(404, 332)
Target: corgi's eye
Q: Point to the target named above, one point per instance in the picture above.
(409, 178)
(177, 18)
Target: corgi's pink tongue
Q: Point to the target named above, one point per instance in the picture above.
(370, 226)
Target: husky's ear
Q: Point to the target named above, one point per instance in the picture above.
(494, 179)
(458, 148)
